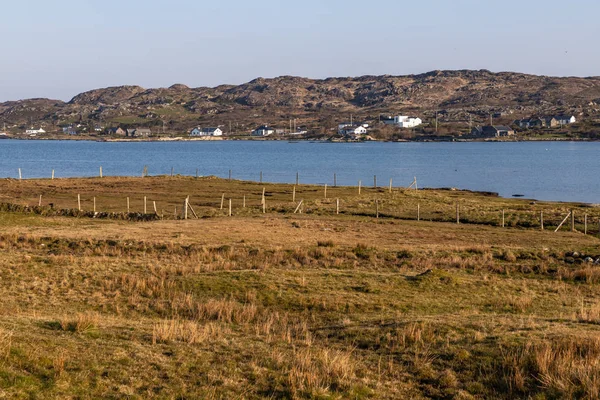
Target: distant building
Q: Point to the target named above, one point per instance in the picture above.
(206, 132)
(263, 131)
(70, 130)
(403, 121)
(530, 123)
(565, 119)
(33, 131)
(545, 122)
(139, 132)
(117, 132)
(348, 126)
(353, 130)
(490, 131)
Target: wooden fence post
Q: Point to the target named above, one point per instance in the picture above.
(222, 200)
(244, 205)
(572, 220)
(325, 192)
(418, 212)
(294, 194)
(261, 177)
(359, 187)
(230, 207)
(145, 205)
(185, 208)
(127, 205)
(154, 204)
(457, 213)
(585, 224)
(20, 176)
(229, 174)
(79, 202)
(94, 204)
(52, 174)
(172, 171)
(503, 218)
(375, 181)
(264, 206)
(542, 220)
(40, 202)
(377, 209)
(390, 185)
(297, 178)
(337, 206)
(101, 171)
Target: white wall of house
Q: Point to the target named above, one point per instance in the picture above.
(404, 121)
(262, 132)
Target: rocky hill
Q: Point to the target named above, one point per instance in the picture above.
(315, 101)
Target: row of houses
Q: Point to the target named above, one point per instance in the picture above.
(552, 121)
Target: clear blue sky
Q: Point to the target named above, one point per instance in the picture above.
(59, 48)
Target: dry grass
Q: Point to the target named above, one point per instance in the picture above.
(305, 306)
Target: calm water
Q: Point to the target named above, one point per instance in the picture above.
(565, 171)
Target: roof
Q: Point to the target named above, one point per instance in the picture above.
(209, 129)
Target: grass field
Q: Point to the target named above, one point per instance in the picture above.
(315, 305)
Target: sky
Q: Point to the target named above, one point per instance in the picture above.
(59, 48)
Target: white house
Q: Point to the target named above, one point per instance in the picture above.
(353, 130)
(263, 131)
(565, 119)
(34, 131)
(348, 126)
(404, 121)
(206, 132)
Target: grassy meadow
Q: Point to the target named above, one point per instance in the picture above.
(281, 305)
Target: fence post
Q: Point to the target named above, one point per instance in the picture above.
(52, 174)
(585, 224)
(377, 209)
(503, 218)
(572, 220)
(390, 185)
(418, 212)
(145, 205)
(359, 187)
(261, 177)
(229, 174)
(94, 204)
(79, 202)
(294, 194)
(20, 177)
(230, 207)
(297, 178)
(185, 208)
(325, 192)
(375, 181)
(542, 219)
(244, 205)
(172, 171)
(127, 205)
(334, 180)
(101, 171)
(337, 206)
(222, 200)
(457, 213)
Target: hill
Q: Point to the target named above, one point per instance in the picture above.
(318, 102)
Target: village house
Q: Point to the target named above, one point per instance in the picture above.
(490, 131)
(69, 130)
(345, 127)
(354, 130)
(33, 131)
(206, 132)
(139, 132)
(403, 121)
(117, 131)
(545, 122)
(263, 130)
(565, 119)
